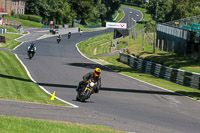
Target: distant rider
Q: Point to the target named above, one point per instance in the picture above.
(92, 75)
(58, 38)
(69, 34)
(81, 32)
(31, 49)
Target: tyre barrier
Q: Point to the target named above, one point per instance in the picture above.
(185, 78)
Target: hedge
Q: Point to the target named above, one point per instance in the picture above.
(31, 17)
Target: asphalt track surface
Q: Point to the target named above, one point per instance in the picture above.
(123, 103)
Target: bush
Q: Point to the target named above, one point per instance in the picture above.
(12, 13)
(31, 17)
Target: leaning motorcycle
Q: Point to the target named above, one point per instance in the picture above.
(86, 91)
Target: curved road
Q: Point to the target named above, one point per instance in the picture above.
(123, 103)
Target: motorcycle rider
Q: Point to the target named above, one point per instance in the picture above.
(91, 75)
(69, 34)
(59, 37)
(81, 32)
(31, 49)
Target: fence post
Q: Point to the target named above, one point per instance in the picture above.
(172, 47)
(167, 44)
(199, 51)
(162, 44)
(185, 51)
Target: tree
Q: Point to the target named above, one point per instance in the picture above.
(82, 8)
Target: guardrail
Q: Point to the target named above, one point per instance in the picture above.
(178, 76)
(3, 30)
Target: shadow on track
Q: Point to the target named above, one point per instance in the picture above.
(113, 89)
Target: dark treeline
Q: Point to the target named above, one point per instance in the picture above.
(64, 11)
(168, 10)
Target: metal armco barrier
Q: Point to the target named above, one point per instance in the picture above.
(3, 30)
(178, 76)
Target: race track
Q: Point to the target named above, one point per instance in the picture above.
(123, 103)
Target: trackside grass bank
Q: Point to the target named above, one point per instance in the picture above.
(25, 23)
(120, 15)
(97, 45)
(22, 125)
(10, 42)
(16, 85)
(112, 62)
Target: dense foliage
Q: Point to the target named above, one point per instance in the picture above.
(168, 10)
(64, 11)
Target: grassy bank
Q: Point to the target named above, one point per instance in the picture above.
(100, 45)
(10, 42)
(25, 23)
(10, 29)
(22, 125)
(135, 47)
(16, 85)
(169, 59)
(120, 15)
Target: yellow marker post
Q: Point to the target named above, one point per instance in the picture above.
(52, 97)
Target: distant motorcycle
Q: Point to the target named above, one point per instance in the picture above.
(58, 40)
(86, 91)
(69, 35)
(31, 50)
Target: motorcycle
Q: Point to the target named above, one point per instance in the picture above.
(86, 91)
(31, 54)
(58, 40)
(69, 35)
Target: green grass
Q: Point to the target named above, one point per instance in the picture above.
(25, 32)
(148, 17)
(120, 16)
(164, 58)
(25, 23)
(10, 42)
(27, 125)
(16, 85)
(10, 29)
(96, 46)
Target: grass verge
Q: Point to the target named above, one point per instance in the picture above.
(187, 63)
(25, 23)
(10, 42)
(97, 45)
(16, 85)
(120, 16)
(22, 125)
(10, 29)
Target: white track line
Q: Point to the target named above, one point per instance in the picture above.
(73, 105)
(16, 101)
